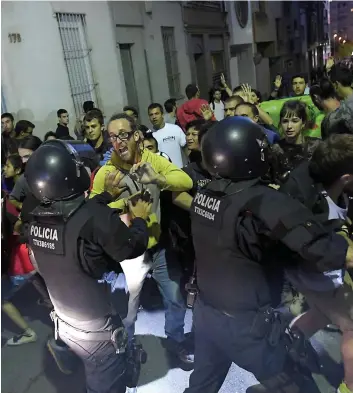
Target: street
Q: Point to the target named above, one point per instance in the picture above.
(30, 368)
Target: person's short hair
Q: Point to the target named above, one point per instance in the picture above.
(169, 105)
(191, 91)
(144, 129)
(149, 137)
(31, 142)
(94, 114)
(8, 116)
(132, 109)
(22, 126)
(324, 90)
(48, 135)
(205, 127)
(16, 161)
(253, 108)
(155, 105)
(197, 124)
(258, 94)
(238, 99)
(299, 76)
(88, 106)
(332, 159)
(237, 89)
(295, 108)
(342, 75)
(130, 119)
(61, 112)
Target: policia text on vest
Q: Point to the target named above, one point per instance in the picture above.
(206, 202)
(46, 236)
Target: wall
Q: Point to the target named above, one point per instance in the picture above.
(135, 26)
(239, 35)
(34, 78)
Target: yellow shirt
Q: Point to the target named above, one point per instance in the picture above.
(176, 180)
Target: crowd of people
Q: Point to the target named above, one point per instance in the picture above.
(253, 216)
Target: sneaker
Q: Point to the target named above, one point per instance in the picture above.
(62, 355)
(343, 389)
(28, 336)
(181, 350)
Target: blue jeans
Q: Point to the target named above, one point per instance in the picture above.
(166, 272)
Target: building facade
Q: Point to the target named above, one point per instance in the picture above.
(152, 44)
(58, 55)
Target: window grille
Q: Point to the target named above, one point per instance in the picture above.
(72, 28)
(171, 61)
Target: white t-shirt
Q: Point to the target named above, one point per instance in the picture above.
(171, 139)
(326, 280)
(218, 110)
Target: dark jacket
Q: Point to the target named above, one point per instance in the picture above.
(63, 132)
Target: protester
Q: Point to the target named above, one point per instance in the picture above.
(170, 137)
(298, 82)
(191, 110)
(131, 111)
(250, 110)
(95, 132)
(141, 168)
(170, 107)
(290, 151)
(11, 172)
(231, 104)
(49, 136)
(25, 149)
(23, 129)
(7, 124)
(150, 143)
(324, 185)
(216, 103)
(62, 130)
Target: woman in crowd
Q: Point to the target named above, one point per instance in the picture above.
(11, 172)
(25, 149)
(294, 147)
(216, 103)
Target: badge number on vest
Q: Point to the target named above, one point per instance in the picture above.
(47, 238)
(206, 206)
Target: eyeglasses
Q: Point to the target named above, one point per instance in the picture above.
(123, 136)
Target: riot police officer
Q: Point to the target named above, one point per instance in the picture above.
(74, 242)
(237, 225)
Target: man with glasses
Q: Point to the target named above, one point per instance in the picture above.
(146, 170)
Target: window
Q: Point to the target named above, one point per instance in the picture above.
(72, 28)
(218, 67)
(171, 61)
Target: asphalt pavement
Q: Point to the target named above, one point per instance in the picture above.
(30, 368)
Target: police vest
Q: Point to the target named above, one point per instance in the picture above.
(59, 256)
(227, 279)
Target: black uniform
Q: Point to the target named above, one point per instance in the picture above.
(236, 228)
(74, 242)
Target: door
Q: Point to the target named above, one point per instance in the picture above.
(129, 77)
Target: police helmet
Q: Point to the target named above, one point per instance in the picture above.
(56, 170)
(235, 148)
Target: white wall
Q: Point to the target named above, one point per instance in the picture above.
(144, 31)
(34, 75)
(239, 35)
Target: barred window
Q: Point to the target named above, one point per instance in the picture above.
(171, 61)
(72, 28)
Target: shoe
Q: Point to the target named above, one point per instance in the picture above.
(28, 336)
(62, 355)
(181, 350)
(343, 389)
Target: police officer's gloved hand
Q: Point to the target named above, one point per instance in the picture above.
(106, 157)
